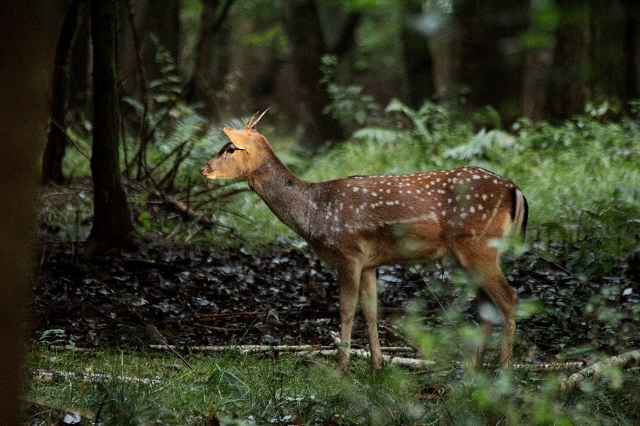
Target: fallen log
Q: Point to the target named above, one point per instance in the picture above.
(265, 348)
(43, 374)
(596, 369)
(393, 360)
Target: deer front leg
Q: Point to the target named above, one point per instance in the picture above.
(349, 282)
(369, 305)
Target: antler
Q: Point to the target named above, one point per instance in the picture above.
(251, 125)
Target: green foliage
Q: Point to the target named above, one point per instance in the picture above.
(348, 104)
(581, 177)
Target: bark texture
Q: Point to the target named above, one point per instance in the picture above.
(112, 218)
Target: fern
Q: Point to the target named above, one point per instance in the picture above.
(379, 134)
(478, 147)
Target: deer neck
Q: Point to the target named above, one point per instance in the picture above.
(286, 195)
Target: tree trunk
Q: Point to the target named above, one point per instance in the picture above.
(418, 62)
(538, 42)
(567, 87)
(157, 29)
(79, 100)
(203, 84)
(590, 64)
(57, 140)
(27, 42)
(492, 62)
(112, 219)
(606, 52)
(631, 54)
(302, 25)
(163, 24)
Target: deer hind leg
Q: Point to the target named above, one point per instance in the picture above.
(349, 282)
(369, 305)
(487, 323)
(483, 263)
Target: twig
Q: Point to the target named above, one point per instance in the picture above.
(43, 374)
(397, 335)
(243, 348)
(85, 155)
(596, 369)
(557, 265)
(177, 205)
(155, 335)
(230, 314)
(223, 329)
(408, 362)
(314, 313)
(547, 366)
(267, 348)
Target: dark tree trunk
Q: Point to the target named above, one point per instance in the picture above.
(595, 58)
(606, 52)
(631, 47)
(80, 71)
(538, 64)
(492, 62)
(27, 42)
(57, 140)
(203, 84)
(567, 87)
(112, 218)
(156, 29)
(538, 43)
(339, 29)
(304, 30)
(160, 30)
(589, 61)
(416, 54)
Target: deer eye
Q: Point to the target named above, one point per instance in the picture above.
(229, 148)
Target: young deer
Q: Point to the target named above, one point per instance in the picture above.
(360, 222)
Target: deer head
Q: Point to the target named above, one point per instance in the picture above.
(245, 152)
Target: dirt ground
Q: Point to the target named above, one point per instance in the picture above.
(199, 296)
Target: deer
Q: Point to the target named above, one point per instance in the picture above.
(358, 223)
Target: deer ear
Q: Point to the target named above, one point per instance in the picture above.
(237, 137)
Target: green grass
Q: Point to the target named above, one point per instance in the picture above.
(567, 171)
(289, 389)
(262, 388)
(582, 181)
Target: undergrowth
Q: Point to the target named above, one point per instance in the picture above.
(582, 182)
(290, 389)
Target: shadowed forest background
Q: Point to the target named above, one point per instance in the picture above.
(133, 243)
(325, 69)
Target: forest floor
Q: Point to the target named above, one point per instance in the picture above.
(281, 295)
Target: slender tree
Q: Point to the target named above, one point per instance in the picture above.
(203, 83)
(57, 140)
(632, 48)
(304, 30)
(589, 62)
(112, 218)
(416, 55)
(491, 63)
